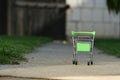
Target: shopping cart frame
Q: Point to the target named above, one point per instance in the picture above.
(83, 42)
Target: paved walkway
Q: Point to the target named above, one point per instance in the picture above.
(54, 60)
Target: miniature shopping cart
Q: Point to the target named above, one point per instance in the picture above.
(83, 42)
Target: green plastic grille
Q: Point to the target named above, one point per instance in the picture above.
(85, 47)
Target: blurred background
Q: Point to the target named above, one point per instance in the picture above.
(57, 18)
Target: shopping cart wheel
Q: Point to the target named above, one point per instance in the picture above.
(88, 63)
(91, 62)
(73, 62)
(76, 62)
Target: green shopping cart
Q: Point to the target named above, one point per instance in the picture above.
(83, 42)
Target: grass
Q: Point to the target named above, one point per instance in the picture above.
(12, 48)
(109, 46)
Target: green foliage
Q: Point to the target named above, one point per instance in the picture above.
(113, 5)
(109, 46)
(13, 48)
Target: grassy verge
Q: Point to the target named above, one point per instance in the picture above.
(109, 46)
(13, 48)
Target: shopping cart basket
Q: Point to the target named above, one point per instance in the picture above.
(83, 42)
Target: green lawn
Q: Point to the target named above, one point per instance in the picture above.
(109, 46)
(13, 48)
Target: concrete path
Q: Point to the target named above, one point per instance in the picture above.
(54, 61)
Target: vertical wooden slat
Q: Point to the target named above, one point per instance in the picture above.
(35, 21)
(26, 21)
(9, 26)
(42, 18)
(30, 22)
(20, 23)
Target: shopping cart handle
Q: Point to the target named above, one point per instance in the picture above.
(89, 33)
